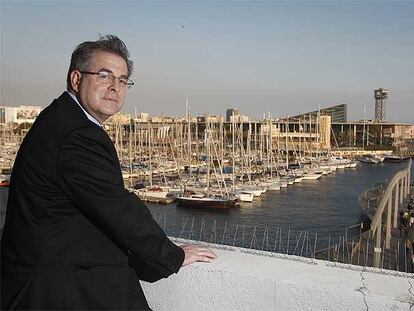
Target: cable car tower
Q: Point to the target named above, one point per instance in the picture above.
(380, 96)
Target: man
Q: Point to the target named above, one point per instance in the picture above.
(74, 238)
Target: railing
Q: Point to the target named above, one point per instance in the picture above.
(353, 246)
(370, 198)
(397, 190)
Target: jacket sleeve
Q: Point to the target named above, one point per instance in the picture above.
(88, 173)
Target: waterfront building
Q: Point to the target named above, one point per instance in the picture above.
(374, 135)
(337, 113)
(212, 118)
(307, 134)
(291, 135)
(231, 113)
(143, 117)
(121, 118)
(239, 118)
(21, 114)
(325, 132)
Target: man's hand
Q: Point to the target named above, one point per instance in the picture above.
(194, 253)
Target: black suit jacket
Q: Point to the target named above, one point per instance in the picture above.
(74, 237)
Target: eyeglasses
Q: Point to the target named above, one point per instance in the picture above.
(108, 78)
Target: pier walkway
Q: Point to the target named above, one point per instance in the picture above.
(383, 245)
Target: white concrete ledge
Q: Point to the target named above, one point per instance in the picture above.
(243, 279)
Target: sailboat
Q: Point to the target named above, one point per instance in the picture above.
(207, 198)
(193, 200)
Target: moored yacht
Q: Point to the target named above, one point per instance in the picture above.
(189, 199)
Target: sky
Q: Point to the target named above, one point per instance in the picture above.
(261, 57)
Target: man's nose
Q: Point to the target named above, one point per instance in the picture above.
(115, 85)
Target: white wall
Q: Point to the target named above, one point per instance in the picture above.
(243, 279)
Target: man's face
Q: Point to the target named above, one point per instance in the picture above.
(101, 100)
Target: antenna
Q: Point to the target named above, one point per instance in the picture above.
(187, 110)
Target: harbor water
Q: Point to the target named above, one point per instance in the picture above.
(325, 207)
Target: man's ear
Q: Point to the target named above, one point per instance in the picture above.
(75, 79)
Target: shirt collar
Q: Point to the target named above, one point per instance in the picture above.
(86, 113)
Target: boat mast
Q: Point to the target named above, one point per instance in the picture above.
(270, 150)
(187, 108)
(363, 128)
(150, 152)
(208, 154)
(233, 154)
(286, 142)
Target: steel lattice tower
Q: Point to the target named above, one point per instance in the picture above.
(380, 96)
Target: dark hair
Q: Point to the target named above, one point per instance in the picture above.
(82, 55)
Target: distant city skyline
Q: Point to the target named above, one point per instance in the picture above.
(282, 58)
